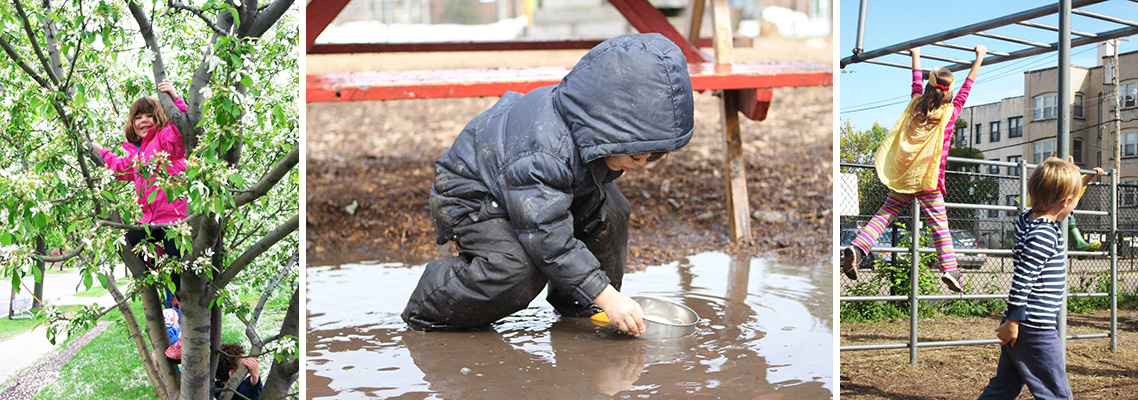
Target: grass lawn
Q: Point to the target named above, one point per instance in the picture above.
(13, 327)
(109, 367)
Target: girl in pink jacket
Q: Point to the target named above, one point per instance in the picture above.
(149, 135)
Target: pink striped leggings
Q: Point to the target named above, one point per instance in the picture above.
(932, 205)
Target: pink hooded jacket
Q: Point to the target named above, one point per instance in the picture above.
(168, 139)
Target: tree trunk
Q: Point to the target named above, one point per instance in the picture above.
(282, 375)
(196, 380)
(37, 291)
(148, 362)
(155, 325)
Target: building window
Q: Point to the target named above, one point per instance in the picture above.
(1129, 94)
(1128, 194)
(960, 135)
(994, 213)
(1011, 201)
(1041, 150)
(1077, 151)
(1014, 171)
(976, 135)
(994, 136)
(1078, 106)
(1044, 107)
(1129, 142)
(994, 169)
(1015, 127)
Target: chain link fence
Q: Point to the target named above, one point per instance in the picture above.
(859, 195)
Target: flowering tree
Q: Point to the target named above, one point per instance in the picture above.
(72, 71)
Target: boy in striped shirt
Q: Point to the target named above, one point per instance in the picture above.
(1031, 354)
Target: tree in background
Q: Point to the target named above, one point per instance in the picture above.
(71, 72)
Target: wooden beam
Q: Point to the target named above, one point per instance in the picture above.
(647, 19)
(318, 14)
(695, 22)
(721, 19)
(735, 178)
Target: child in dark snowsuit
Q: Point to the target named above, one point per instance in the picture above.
(526, 191)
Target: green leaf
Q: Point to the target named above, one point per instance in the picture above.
(103, 281)
(236, 17)
(153, 195)
(37, 272)
(237, 180)
(5, 239)
(218, 205)
(87, 280)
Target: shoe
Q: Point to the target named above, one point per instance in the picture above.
(952, 280)
(1094, 246)
(851, 257)
(174, 352)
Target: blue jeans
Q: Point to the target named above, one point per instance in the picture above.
(1035, 361)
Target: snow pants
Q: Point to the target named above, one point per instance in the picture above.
(493, 276)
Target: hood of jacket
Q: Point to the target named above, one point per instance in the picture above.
(631, 95)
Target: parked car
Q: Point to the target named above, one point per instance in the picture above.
(961, 239)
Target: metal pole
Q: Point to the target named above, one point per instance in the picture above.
(914, 275)
(1064, 141)
(1114, 260)
(858, 48)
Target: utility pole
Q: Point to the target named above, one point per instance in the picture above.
(1117, 107)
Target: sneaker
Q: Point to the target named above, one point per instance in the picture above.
(1094, 246)
(174, 352)
(952, 280)
(851, 257)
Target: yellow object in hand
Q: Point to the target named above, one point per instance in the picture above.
(600, 318)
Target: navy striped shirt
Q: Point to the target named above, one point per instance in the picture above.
(1040, 275)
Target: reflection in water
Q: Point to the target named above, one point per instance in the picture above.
(765, 333)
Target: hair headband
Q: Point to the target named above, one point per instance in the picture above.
(932, 82)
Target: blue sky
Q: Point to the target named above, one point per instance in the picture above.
(865, 86)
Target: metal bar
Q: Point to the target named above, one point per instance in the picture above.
(948, 45)
(1104, 17)
(936, 57)
(893, 64)
(1012, 39)
(1063, 142)
(977, 27)
(858, 47)
(1089, 336)
(996, 252)
(1117, 33)
(968, 206)
(1113, 260)
(1090, 212)
(318, 14)
(914, 282)
(1053, 28)
(855, 299)
(1022, 206)
(982, 162)
(944, 343)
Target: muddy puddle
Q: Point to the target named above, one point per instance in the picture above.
(765, 333)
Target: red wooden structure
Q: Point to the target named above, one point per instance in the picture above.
(745, 87)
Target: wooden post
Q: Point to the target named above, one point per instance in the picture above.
(696, 22)
(735, 173)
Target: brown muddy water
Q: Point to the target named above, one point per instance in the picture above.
(765, 333)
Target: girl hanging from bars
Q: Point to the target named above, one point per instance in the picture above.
(911, 162)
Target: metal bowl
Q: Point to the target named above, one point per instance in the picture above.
(666, 319)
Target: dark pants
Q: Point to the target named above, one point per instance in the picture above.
(1035, 361)
(493, 277)
(157, 236)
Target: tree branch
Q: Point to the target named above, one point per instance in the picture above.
(267, 18)
(273, 285)
(56, 66)
(142, 227)
(270, 178)
(148, 363)
(35, 43)
(178, 5)
(61, 257)
(23, 65)
(256, 250)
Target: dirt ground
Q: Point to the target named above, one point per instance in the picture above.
(962, 372)
(370, 164)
